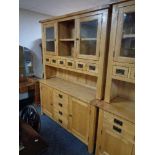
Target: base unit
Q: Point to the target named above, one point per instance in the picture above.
(115, 136)
(76, 116)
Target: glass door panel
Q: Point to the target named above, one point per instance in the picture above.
(88, 36)
(50, 38)
(125, 39)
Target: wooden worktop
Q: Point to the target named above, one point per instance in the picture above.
(118, 106)
(82, 93)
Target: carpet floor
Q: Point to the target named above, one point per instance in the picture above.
(60, 141)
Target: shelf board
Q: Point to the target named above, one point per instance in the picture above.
(74, 70)
(121, 107)
(48, 40)
(67, 39)
(88, 39)
(129, 36)
(81, 92)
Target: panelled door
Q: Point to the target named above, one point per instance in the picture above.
(50, 38)
(47, 99)
(125, 35)
(79, 119)
(88, 36)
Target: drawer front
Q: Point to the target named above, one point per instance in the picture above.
(80, 65)
(53, 61)
(47, 60)
(92, 68)
(70, 64)
(120, 71)
(132, 73)
(61, 62)
(59, 106)
(60, 97)
(62, 112)
(119, 126)
(61, 120)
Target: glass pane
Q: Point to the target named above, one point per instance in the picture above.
(88, 29)
(50, 46)
(50, 39)
(128, 36)
(88, 47)
(49, 33)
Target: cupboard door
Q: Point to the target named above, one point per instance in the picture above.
(88, 36)
(47, 99)
(50, 39)
(125, 35)
(79, 119)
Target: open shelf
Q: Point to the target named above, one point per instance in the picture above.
(72, 89)
(120, 106)
(66, 48)
(67, 39)
(66, 29)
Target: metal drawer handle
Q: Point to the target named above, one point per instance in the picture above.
(70, 64)
(92, 68)
(60, 120)
(61, 62)
(60, 112)
(118, 122)
(120, 71)
(80, 65)
(60, 104)
(47, 60)
(60, 96)
(54, 61)
(117, 129)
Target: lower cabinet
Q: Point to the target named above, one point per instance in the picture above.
(76, 116)
(46, 94)
(79, 114)
(114, 136)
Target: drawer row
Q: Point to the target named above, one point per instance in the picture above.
(89, 67)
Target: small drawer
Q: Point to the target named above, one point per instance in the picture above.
(132, 73)
(59, 106)
(61, 120)
(120, 71)
(47, 60)
(92, 68)
(70, 64)
(61, 111)
(60, 97)
(53, 61)
(61, 62)
(80, 65)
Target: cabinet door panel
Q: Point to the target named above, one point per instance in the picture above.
(47, 98)
(79, 124)
(125, 36)
(88, 36)
(50, 39)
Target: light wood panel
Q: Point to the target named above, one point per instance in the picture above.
(83, 93)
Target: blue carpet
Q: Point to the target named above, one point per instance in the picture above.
(60, 141)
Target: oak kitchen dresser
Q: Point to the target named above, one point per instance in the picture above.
(88, 85)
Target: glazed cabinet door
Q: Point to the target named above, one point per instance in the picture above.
(46, 99)
(125, 34)
(88, 36)
(50, 38)
(79, 119)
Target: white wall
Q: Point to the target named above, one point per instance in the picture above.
(30, 36)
